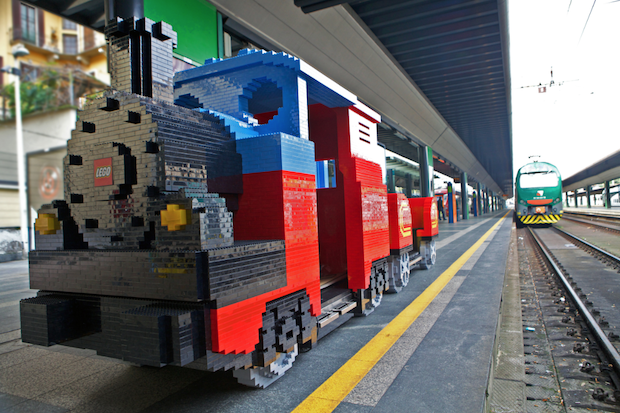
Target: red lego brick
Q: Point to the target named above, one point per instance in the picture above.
(274, 205)
(401, 233)
(353, 217)
(424, 216)
(367, 221)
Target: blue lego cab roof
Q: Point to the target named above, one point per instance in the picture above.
(321, 89)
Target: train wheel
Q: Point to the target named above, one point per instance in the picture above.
(404, 269)
(265, 352)
(429, 254)
(287, 325)
(370, 298)
(399, 273)
(381, 273)
(262, 377)
(307, 325)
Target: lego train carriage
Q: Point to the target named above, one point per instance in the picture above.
(197, 236)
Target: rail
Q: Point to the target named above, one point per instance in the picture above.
(607, 347)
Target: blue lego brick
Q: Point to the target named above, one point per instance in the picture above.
(257, 82)
(277, 152)
(236, 128)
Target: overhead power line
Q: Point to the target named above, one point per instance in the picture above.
(584, 27)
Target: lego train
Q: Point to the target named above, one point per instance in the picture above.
(224, 218)
(538, 195)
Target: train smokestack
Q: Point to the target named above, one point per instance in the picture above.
(133, 45)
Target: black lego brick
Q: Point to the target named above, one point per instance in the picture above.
(245, 270)
(51, 318)
(401, 251)
(163, 333)
(146, 274)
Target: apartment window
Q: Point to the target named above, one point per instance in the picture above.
(68, 25)
(69, 44)
(28, 23)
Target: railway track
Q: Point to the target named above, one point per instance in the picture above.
(606, 222)
(569, 289)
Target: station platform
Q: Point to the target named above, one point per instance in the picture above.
(613, 211)
(428, 348)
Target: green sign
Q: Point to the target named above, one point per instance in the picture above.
(195, 22)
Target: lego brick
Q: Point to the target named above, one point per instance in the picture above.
(51, 318)
(160, 334)
(424, 216)
(401, 231)
(140, 274)
(275, 153)
(244, 74)
(245, 271)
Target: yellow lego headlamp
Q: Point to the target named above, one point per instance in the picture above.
(175, 217)
(47, 224)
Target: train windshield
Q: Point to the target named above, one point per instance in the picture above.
(538, 179)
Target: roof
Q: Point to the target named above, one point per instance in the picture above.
(456, 53)
(604, 170)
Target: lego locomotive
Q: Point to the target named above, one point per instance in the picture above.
(224, 219)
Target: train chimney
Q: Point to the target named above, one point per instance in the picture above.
(133, 45)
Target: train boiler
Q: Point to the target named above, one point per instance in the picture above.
(223, 220)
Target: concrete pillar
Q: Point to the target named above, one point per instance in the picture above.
(486, 201)
(575, 196)
(588, 196)
(481, 200)
(607, 198)
(478, 199)
(474, 200)
(450, 203)
(409, 186)
(464, 196)
(425, 154)
(391, 181)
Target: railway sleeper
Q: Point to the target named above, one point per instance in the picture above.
(597, 369)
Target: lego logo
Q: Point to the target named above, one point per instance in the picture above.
(103, 172)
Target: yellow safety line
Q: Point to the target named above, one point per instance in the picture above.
(329, 395)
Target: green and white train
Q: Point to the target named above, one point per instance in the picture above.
(538, 194)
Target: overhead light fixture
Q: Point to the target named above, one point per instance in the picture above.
(19, 50)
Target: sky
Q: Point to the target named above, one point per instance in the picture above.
(576, 124)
